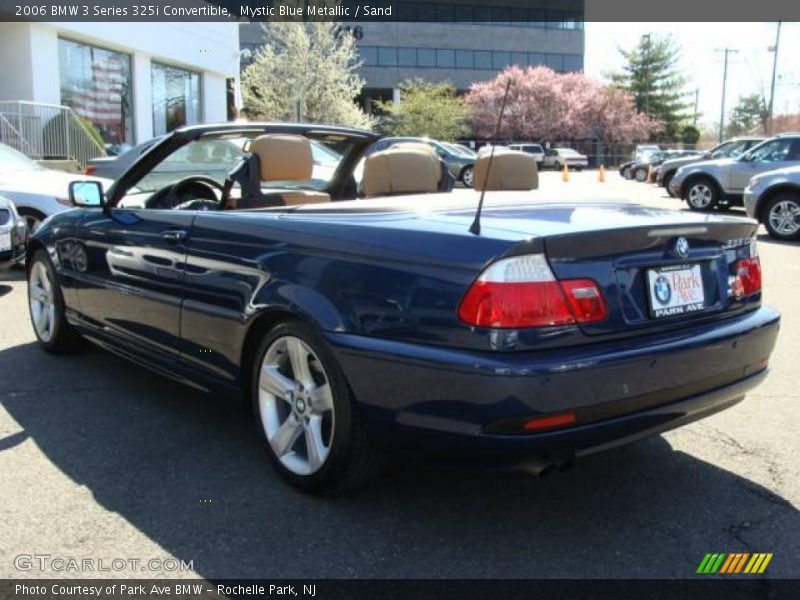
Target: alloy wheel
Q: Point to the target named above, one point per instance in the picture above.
(468, 177)
(700, 195)
(784, 218)
(296, 405)
(42, 301)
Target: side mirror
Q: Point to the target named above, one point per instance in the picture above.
(86, 194)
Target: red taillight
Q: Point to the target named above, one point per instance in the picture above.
(522, 292)
(747, 280)
(550, 422)
(585, 300)
(89, 170)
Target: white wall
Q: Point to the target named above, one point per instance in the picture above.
(212, 49)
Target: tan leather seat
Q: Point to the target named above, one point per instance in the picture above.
(401, 170)
(284, 157)
(511, 170)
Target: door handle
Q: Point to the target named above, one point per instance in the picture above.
(174, 235)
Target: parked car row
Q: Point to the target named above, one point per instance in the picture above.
(763, 175)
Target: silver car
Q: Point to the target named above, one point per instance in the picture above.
(731, 148)
(535, 150)
(706, 184)
(13, 234)
(773, 198)
(558, 157)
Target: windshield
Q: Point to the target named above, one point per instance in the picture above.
(215, 158)
(458, 151)
(770, 151)
(729, 149)
(12, 160)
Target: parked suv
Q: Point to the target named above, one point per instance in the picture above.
(535, 150)
(731, 148)
(558, 157)
(706, 184)
(773, 198)
(459, 163)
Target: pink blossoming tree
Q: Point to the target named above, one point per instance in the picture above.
(545, 105)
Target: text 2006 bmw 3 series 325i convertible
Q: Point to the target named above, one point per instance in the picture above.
(350, 302)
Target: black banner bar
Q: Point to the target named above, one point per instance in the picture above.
(733, 587)
(456, 11)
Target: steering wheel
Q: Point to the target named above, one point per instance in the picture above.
(186, 191)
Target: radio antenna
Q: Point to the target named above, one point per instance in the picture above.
(475, 228)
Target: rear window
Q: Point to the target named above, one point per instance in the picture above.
(5, 216)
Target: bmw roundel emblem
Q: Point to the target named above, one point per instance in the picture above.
(662, 290)
(682, 247)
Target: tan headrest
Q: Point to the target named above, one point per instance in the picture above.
(511, 170)
(283, 157)
(401, 171)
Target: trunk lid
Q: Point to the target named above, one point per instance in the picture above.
(657, 276)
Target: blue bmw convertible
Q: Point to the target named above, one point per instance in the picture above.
(366, 313)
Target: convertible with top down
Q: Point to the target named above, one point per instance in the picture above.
(366, 314)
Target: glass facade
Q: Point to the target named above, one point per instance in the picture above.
(176, 97)
(439, 58)
(96, 84)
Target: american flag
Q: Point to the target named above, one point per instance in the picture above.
(101, 101)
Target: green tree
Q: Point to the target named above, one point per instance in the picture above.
(312, 64)
(690, 135)
(653, 77)
(426, 109)
(749, 113)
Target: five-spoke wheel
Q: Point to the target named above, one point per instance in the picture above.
(783, 217)
(312, 427)
(296, 405)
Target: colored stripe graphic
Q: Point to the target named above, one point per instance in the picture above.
(730, 563)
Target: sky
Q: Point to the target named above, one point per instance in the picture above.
(749, 70)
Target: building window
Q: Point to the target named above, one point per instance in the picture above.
(555, 62)
(176, 97)
(465, 59)
(426, 57)
(573, 62)
(519, 58)
(387, 57)
(483, 59)
(407, 57)
(500, 60)
(369, 54)
(446, 59)
(96, 84)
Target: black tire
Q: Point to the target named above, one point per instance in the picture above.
(640, 175)
(782, 203)
(32, 217)
(627, 173)
(701, 194)
(353, 458)
(63, 338)
(557, 166)
(666, 181)
(468, 174)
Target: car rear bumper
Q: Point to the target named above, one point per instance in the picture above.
(461, 405)
(750, 203)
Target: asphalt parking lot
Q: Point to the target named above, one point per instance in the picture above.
(100, 459)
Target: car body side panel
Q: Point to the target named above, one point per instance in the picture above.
(339, 276)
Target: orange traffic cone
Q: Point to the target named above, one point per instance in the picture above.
(565, 173)
(601, 175)
(649, 174)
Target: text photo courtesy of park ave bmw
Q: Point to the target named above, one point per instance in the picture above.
(298, 297)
